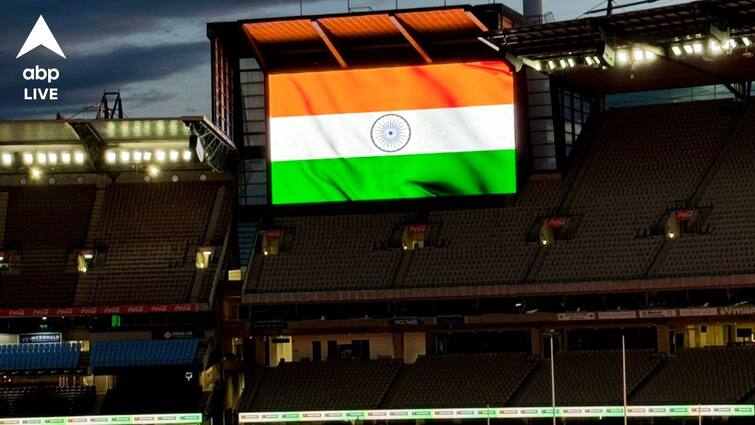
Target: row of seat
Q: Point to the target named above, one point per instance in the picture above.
(642, 161)
(724, 375)
(150, 233)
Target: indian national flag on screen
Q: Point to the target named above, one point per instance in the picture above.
(392, 133)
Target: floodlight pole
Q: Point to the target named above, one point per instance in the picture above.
(553, 383)
(624, 375)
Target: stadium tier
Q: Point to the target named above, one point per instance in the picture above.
(145, 238)
(719, 375)
(676, 154)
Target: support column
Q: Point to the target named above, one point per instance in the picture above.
(536, 342)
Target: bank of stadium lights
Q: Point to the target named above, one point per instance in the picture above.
(43, 158)
(128, 156)
(712, 47)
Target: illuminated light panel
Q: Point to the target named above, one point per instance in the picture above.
(78, 157)
(160, 156)
(7, 159)
(65, 157)
(125, 157)
(35, 173)
(638, 55)
(41, 158)
(649, 55)
(137, 156)
(153, 171)
(697, 47)
(714, 47)
(746, 41)
(499, 413)
(676, 50)
(110, 157)
(589, 61)
(688, 49)
(622, 56)
(551, 65)
(148, 418)
(186, 155)
(52, 157)
(571, 63)
(173, 155)
(28, 158)
(147, 155)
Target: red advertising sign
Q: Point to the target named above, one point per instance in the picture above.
(416, 228)
(557, 222)
(87, 311)
(685, 214)
(273, 233)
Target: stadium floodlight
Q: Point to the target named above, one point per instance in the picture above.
(638, 55)
(7, 159)
(153, 171)
(730, 44)
(137, 156)
(714, 47)
(649, 55)
(551, 65)
(697, 47)
(65, 157)
(125, 157)
(78, 157)
(110, 157)
(571, 62)
(676, 50)
(35, 173)
(173, 155)
(688, 49)
(746, 41)
(160, 156)
(52, 158)
(41, 158)
(28, 158)
(622, 56)
(589, 61)
(186, 155)
(147, 155)
(563, 63)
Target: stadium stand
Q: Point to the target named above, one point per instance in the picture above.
(150, 238)
(25, 401)
(352, 384)
(349, 262)
(143, 353)
(601, 386)
(39, 356)
(484, 246)
(43, 225)
(728, 247)
(665, 149)
(701, 375)
(463, 380)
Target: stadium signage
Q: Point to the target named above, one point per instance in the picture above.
(40, 337)
(86, 311)
(651, 314)
(454, 413)
(163, 419)
(737, 311)
(40, 35)
(576, 316)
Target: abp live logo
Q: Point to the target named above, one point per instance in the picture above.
(41, 35)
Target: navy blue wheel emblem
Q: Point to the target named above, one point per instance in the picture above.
(390, 133)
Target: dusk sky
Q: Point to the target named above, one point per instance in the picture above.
(155, 53)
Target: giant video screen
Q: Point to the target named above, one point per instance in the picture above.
(392, 133)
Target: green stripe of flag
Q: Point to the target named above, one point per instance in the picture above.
(394, 177)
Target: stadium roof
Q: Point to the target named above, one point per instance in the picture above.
(373, 38)
(658, 28)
